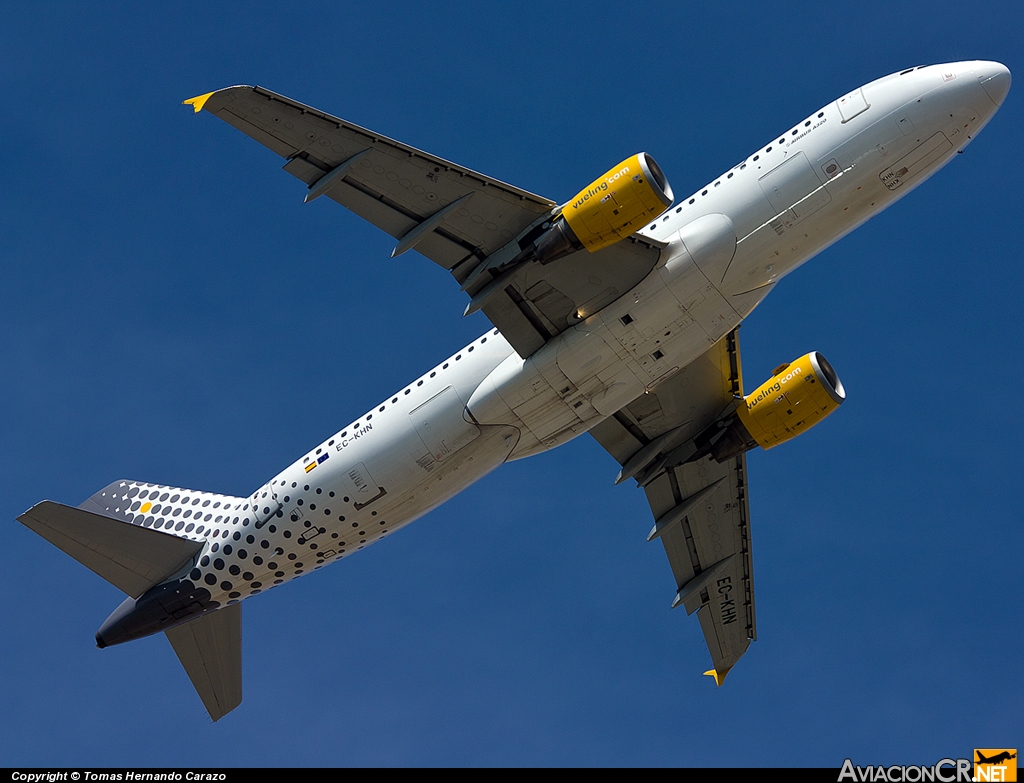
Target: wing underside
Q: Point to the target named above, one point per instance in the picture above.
(390, 184)
(466, 222)
(700, 507)
(709, 552)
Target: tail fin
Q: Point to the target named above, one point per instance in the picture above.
(189, 513)
(131, 558)
(210, 649)
(137, 536)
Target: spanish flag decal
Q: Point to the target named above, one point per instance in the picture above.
(319, 460)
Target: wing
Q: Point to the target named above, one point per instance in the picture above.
(468, 223)
(700, 507)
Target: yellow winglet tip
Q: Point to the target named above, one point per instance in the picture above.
(198, 102)
(719, 678)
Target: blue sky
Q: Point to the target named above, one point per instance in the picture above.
(172, 312)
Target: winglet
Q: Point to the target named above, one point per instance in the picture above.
(198, 102)
(719, 678)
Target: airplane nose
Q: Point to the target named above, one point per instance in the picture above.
(995, 78)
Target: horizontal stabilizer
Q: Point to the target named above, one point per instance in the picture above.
(210, 649)
(130, 557)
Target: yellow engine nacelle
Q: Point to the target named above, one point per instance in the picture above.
(609, 209)
(618, 203)
(794, 399)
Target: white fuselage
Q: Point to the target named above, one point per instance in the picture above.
(725, 248)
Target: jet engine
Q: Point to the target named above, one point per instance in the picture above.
(794, 399)
(609, 209)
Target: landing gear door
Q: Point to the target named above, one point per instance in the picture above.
(265, 504)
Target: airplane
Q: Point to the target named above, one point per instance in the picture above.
(615, 313)
(996, 759)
